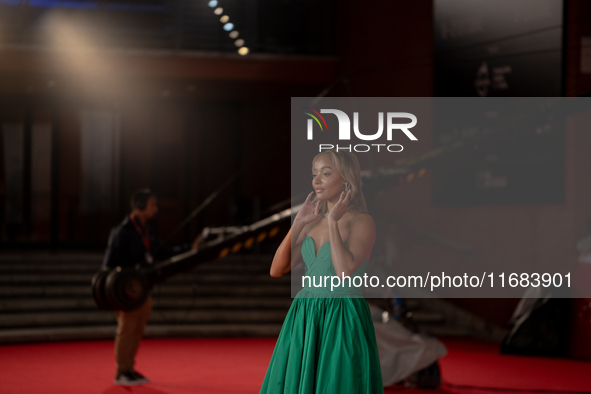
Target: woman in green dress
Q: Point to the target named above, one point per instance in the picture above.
(327, 343)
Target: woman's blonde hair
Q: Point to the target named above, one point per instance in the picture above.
(347, 166)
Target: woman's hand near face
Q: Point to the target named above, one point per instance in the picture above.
(288, 253)
(309, 211)
(340, 207)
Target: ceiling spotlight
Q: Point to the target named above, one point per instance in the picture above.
(228, 26)
(224, 19)
(239, 42)
(234, 34)
(243, 51)
(218, 11)
(213, 3)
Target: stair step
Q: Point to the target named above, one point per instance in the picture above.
(258, 278)
(412, 304)
(427, 317)
(44, 304)
(28, 258)
(31, 335)
(443, 331)
(96, 260)
(164, 290)
(237, 316)
(90, 269)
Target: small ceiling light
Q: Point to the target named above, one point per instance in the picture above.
(228, 26)
(243, 51)
(213, 3)
(224, 19)
(234, 34)
(218, 11)
(239, 42)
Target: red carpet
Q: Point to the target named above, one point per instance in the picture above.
(479, 364)
(236, 366)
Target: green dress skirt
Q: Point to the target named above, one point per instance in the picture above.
(327, 343)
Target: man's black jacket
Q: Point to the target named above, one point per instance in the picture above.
(126, 248)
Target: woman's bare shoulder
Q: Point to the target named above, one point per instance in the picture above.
(362, 219)
(362, 234)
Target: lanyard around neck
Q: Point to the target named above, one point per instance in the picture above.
(146, 236)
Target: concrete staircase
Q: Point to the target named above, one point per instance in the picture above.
(46, 297)
(441, 318)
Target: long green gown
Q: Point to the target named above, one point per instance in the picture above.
(327, 343)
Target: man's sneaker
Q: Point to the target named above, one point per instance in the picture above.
(127, 379)
(141, 377)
